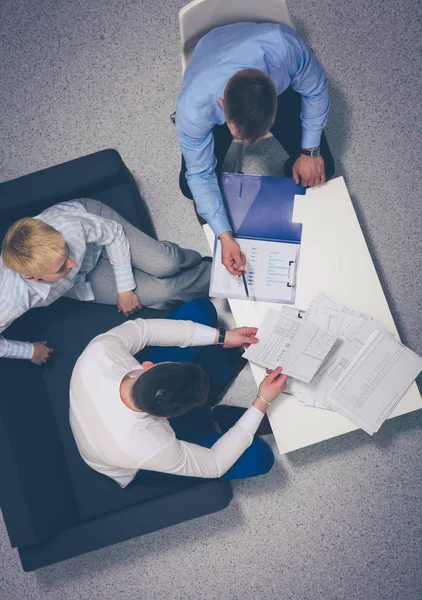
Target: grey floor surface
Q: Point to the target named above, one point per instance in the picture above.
(338, 520)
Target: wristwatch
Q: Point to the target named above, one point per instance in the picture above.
(313, 152)
(221, 336)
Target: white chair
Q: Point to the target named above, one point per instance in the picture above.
(200, 16)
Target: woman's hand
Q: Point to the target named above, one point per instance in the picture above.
(273, 385)
(128, 303)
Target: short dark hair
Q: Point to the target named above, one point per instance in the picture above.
(171, 389)
(250, 103)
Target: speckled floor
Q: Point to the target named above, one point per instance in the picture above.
(337, 521)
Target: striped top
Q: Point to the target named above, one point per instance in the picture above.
(87, 237)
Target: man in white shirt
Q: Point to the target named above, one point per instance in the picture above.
(119, 406)
(84, 249)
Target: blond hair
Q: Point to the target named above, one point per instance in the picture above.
(31, 246)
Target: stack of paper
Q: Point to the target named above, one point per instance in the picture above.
(357, 369)
(299, 347)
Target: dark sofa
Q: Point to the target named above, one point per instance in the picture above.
(54, 506)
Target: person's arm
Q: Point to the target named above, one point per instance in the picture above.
(36, 352)
(197, 146)
(108, 233)
(135, 335)
(15, 349)
(111, 235)
(308, 78)
(184, 458)
(8, 314)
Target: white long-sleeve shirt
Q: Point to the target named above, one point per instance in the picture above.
(117, 441)
(86, 235)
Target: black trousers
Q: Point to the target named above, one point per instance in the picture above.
(287, 130)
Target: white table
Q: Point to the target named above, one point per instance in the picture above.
(333, 259)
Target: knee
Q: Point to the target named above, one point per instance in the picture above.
(168, 260)
(170, 265)
(203, 311)
(264, 456)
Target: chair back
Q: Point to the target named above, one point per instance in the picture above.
(200, 16)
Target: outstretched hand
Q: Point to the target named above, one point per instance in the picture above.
(241, 336)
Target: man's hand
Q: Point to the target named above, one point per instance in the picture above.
(41, 353)
(128, 303)
(231, 256)
(309, 171)
(241, 336)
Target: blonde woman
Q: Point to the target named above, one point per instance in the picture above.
(85, 250)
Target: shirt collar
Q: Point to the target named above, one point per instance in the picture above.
(42, 288)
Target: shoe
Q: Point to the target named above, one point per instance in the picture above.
(227, 416)
(207, 259)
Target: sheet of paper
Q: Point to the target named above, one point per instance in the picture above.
(375, 381)
(352, 328)
(267, 272)
(275, 335)
(300, 348)
(338, 361)
(330, 315)
(294, 313)
(307, 352)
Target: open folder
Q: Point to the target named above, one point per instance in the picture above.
(260, 212)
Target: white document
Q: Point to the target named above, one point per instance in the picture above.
(330, 315)
(353, 330)
(275, 336)
(270, 271)
(375, 381)
(300, 348)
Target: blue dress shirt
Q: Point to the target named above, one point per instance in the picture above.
(274, 49)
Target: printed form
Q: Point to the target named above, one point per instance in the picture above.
(268, 272)
(300, 348)
(352, 328)
(375, 381)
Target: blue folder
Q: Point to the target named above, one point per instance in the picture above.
(262, 207)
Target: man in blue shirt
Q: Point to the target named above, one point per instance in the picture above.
(244, 80)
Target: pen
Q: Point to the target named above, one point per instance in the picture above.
(244, 283)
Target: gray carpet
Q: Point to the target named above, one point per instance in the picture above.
(339, 520)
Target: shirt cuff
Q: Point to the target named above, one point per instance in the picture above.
(311, 139)
(251, 419)
(204, 335)
(219, 224)
(14, 349)
(125, 280)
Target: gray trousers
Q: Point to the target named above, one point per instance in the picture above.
(165, 274)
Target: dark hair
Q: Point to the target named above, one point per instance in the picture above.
(171, 389)
(250, 103)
